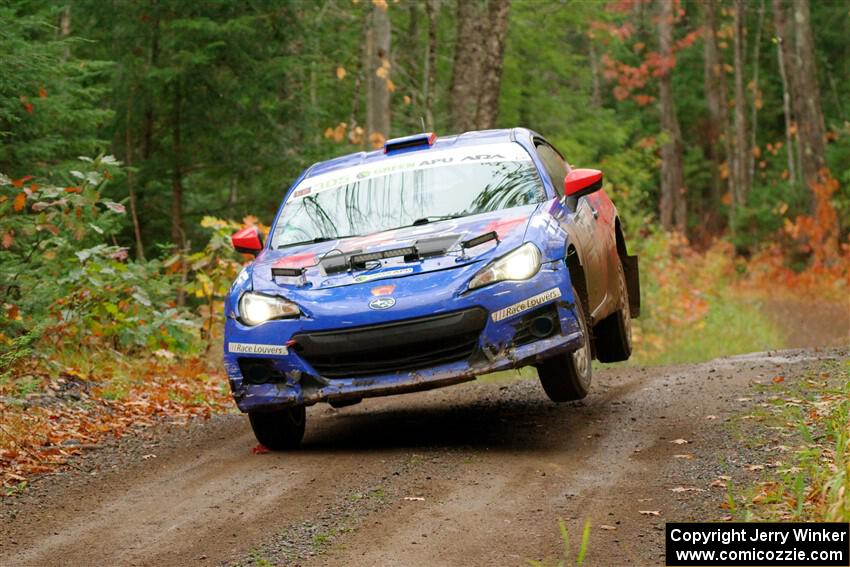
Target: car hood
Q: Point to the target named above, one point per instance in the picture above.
(510, 225)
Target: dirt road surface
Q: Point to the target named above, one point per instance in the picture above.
(476, 474)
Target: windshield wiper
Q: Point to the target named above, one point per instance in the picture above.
(316, 240)
(434, 218)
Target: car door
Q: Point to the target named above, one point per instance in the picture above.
(580, 219)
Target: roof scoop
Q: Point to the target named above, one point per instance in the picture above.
(410, 143)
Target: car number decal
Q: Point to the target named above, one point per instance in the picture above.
(526, 304)
(249, 348)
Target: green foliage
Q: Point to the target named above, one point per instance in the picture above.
(59, 272)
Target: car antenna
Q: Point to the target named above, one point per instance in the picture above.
(422, 122)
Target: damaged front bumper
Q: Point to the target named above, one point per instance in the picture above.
(506, 326)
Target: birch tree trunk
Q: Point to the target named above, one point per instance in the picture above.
(673, 199)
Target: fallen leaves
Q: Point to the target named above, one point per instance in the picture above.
(38, 438)
(680, 441)
(260, 449)
(414, 498)
(687, 489)
(650, 512)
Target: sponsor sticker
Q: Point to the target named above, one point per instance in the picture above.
(379, 275)
(250, 348)
(526, 304)
(484, 153)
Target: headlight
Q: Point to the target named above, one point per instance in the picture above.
(255, 308)
(520, 264)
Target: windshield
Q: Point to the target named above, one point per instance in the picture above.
(417, 187)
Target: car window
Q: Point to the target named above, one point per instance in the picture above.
(555, 166)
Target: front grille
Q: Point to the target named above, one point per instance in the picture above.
(391, 347)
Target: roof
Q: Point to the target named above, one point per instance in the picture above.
(475, 137)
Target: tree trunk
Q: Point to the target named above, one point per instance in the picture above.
(65, 30)
(469, 51)
(717, 133)
(755, 108)
(782, 54)
(131, 190)
(673, 198)
(177, 234)
(810, 116)
(378, 76)
(432, 9)
(593, 59)
(149, 114)
(491, 69)
(740, 163)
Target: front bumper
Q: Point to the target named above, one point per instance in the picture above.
(501, 344)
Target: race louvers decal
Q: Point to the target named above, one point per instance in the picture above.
(248, 348)
(526, 304)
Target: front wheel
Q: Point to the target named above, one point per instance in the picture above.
(566, 377)
(279, 430)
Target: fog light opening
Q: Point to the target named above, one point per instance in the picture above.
(542, 327)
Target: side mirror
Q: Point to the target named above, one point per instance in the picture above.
(249, 240)
(581, 182)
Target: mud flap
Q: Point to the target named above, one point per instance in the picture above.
(632, 273)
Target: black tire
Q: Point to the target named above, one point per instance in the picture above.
(614, 333)
(279, 430)
(566, 377)
(337, 404)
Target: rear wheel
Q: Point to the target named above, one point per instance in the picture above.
(566, 377)
(614, 333)
(279, 430)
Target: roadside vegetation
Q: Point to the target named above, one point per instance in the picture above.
(113, 267)
(805, 431)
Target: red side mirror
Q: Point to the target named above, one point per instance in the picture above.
(249, 240)
(580, 182)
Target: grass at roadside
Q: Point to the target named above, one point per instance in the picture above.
(730, 326)
(806, 427)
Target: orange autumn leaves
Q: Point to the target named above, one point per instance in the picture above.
(45, 436)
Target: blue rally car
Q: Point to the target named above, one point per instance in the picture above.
(426, 264)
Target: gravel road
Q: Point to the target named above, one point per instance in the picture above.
(475, 474)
